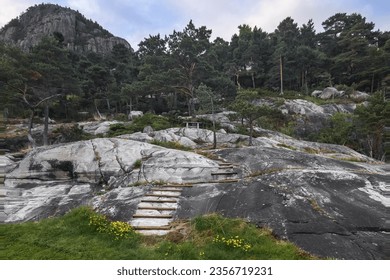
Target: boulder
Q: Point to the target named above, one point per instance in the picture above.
(329, 93)
(148, 130)
(316, 93)
(135, 114)
(96, 128)
(137, 136)
(359, 96)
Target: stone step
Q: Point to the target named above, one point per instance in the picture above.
(226, 167)
(153, 232)
(177, 186)
(224, 173)
(142, 222)
(157, 208)
(166, 189)
(224, 163)
(153, 216)
(159, 200)
(158, 204)
(153, 212)
(162, 195)
(152, 227)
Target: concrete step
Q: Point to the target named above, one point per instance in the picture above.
(157, 208)
(151, 227)
(162, 195)
(154, 212)
(224, 173)
(142, 222)
(157, 204)
(166, 189)
(153, 232)
(177, 186)
(153, 216)
(226, 167)
(157, 200)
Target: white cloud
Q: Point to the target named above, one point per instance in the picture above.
(11, 9)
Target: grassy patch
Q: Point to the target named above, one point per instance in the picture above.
(155, 121)
(137, 164)
(282, 145)
(265, 172)
(171, 145)
(83, 234)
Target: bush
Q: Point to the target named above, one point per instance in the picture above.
(171, 145)
(155, 121)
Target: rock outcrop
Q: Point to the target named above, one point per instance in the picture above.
(54, 179)
(328, 199)
(328, 207)
(79, 34)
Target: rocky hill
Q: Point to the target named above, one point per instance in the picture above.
(79, 34)
(328, 199)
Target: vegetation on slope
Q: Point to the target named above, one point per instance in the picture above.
(83, 234)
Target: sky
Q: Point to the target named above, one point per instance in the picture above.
(135, 20)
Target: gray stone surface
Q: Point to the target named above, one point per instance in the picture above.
(52, 180)
(321, 205)
(329, 207)
(96, 128)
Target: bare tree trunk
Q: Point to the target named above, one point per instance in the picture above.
(250, 132)
(281, 75)
(306, 87)
(238, 82)
(96, 108)
(253, 80)
(46, 125)
(30, 126)
(214, 132)
(108, 105)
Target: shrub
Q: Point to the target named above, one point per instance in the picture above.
(171, 145)
(155, 121)
(117, 229)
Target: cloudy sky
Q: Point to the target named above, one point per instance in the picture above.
(136, 19)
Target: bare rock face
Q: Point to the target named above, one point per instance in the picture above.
(50, 181)
(79, 34)
(329, 208)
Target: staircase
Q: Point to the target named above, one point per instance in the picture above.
(157, 208)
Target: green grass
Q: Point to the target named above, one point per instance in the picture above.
(72, 237)
(171, 145)
(155, 121)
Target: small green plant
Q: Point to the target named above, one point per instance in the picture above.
(282, 145)
(265, 172)
(137, 164)
(117, 229)
(171, 145)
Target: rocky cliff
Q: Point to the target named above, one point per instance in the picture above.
(79, 34)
